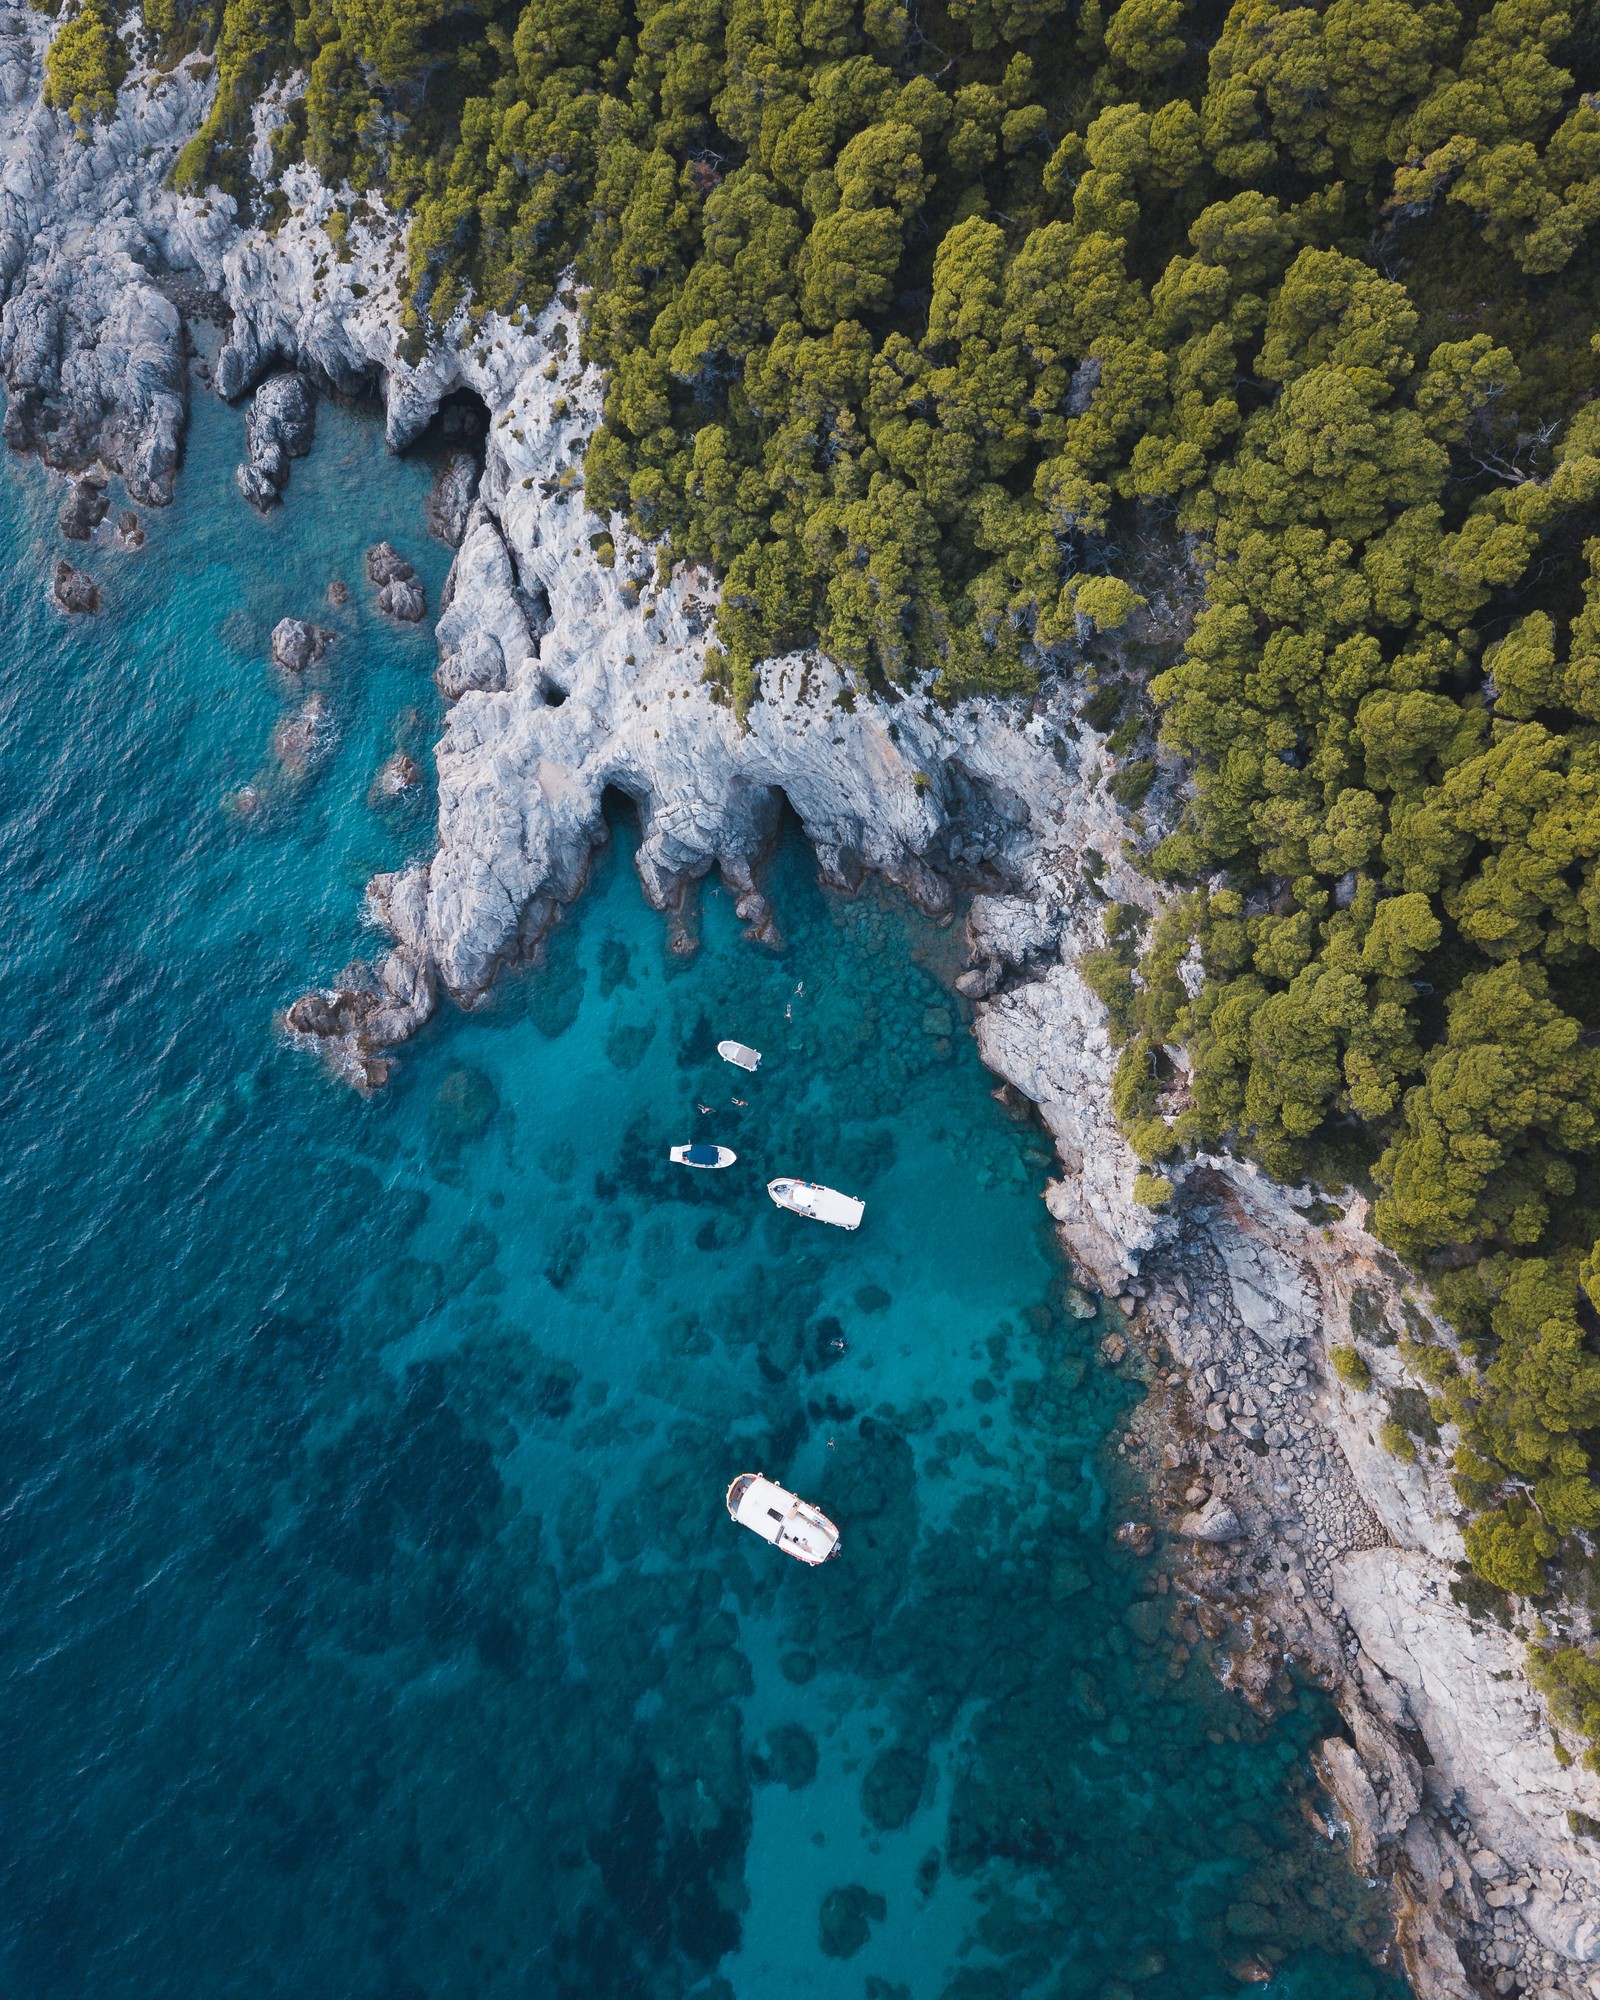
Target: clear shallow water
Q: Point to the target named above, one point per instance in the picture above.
(370, 1623)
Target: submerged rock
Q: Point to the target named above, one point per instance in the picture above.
(464, 1106)
(843, 1923)
(892, 1789)
(74, 591)
(398, 775)
(455, 487)
(301, 740)
(84, 508)
(791, 1756)
(297, 645)
(130, 535)
(338, 592)
(280, 426)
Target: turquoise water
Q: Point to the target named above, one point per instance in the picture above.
(370, 1623)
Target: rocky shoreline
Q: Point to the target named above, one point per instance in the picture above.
(574, 673)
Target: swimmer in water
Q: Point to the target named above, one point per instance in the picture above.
(704, 1110)
(788, 1013)
(740, 1102)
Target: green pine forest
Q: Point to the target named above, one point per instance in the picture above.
(918, 320)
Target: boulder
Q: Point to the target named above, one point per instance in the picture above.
(403, 599)
(256, 487)
(477, 665)
(339, 1011)
(297, 645)
(85, 507)
(1214, 1522)
(455, 487)
(385, 564)
(280, 426)
(74, 591)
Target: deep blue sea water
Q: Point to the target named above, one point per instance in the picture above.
(370, 1622)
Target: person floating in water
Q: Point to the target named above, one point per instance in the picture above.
(788, 1013)
(740, 1102)
(800, 989)
(704, 1110)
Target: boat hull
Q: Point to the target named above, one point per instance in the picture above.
(684, 1156)
(820, 1204)
(739, 1055)
(783, 1519)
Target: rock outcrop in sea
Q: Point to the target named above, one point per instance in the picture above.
(297, 646)
(74, 591)
(400, 594)
(569, 681)
(84, 508)
(281, 425)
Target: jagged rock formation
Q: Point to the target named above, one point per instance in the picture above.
(449, 503)
(74, 591)
(568, 678)
(399, 592)
(84, 508)
(281, 425)
(91, 350)
(297, 645)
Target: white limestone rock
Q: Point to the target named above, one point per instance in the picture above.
(91, 350)
(1463, 1685)
(281, 425)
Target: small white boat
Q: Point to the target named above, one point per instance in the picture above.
(822, 1204)
(702, 1156)
(738, 1054)
(782, 1518)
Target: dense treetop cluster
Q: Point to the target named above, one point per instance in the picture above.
(916, 317)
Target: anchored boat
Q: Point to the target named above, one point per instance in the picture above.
(822, 1204)
(703, 1156)
(739, 1055)
(782, 1518)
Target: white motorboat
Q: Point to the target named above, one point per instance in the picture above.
(782, 1518)
(739, 1055)
(702, 1156)
(822, 1204)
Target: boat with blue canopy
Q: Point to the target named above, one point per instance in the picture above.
(703, 1155)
